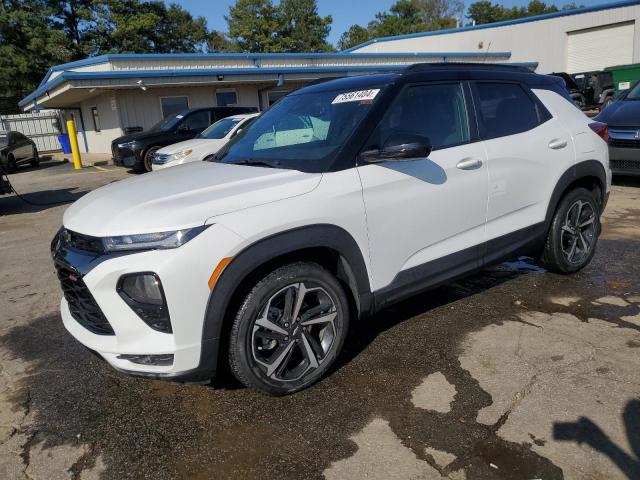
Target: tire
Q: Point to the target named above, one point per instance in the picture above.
(573, 235)
(35, 160)
(148, 156)
(12, 166)
(272, 354)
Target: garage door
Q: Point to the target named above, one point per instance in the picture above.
(597, 48)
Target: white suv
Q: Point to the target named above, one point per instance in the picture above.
(344, 197)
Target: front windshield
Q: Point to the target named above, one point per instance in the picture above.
(634, 94)
(302, 132)
(220, 129)
(167, 123)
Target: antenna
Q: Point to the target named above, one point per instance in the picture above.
(486, 53)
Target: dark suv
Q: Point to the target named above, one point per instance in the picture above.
(136, 149)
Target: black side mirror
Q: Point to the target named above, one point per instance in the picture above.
(183, 128)
(399, 148)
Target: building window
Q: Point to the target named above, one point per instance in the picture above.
(173, 105)
(275, 96)
(96, 119)
(226, 97)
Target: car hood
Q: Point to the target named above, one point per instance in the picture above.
(623, 113)
(196, 144)
(146, 135)
(182, 197)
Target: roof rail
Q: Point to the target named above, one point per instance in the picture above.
(426, 67)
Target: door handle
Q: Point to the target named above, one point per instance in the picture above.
(557, 143)
(469, 164)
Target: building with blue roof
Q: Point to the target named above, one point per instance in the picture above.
(109, 94)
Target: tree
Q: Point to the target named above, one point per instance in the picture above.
(133, 26)
(301, 28)
(403, 17)
(28, 47)
(36, 34)
(217, 42)
(253, 26)
(438, 14)
(484, 11)
(354, 36)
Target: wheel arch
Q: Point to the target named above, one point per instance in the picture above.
(329, 245)
(589, 174)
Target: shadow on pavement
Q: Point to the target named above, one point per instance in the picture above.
(584, 431)
(626, 180)
(38, 201)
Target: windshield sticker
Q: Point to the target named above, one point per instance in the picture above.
(361, 95)
(179, 116)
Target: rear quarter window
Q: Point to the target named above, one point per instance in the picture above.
(506, 109)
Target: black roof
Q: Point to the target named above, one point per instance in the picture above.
(437, 71)
(351, 83)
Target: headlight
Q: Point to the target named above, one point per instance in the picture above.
(130, 145)
(180, 155)
(151, 241)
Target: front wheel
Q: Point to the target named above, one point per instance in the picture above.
(574, 232)
(289, 329)
(148, 158)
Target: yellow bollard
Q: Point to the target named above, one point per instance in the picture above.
(73, 139)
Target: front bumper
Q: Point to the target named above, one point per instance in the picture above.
(184, 273)
(126, 157)
(624, 150)
(624, 161)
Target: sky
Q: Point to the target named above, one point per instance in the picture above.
(344, 12)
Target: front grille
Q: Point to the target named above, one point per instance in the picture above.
(624, 143)
(624, 165)
(84, 243)
(82, 305)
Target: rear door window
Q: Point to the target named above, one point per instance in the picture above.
(505, 109)
(198, 121)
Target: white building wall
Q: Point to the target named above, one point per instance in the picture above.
(543, 41)
(132, 108)
(100, 142)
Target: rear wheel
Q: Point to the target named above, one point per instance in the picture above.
(35, 159)
(574, 232)
(289, 329)
(148, 158)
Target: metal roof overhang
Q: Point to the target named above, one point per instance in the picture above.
(60, 86)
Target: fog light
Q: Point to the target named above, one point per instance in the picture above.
(157, 360)
(143, 293)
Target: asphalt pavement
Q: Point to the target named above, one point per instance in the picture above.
(512, 373)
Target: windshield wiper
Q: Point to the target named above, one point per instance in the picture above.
(256, 163)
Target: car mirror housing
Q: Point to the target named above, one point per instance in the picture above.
(398, 152)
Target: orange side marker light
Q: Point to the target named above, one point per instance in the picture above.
(218, 271)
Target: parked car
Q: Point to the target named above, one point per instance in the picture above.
(623, 120)
(136, 150)
(590, 90)
(212, 139)
(16, 149)
(341, 199)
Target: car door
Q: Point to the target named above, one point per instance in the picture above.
(24, 147)
(528, 150)
(426, 217)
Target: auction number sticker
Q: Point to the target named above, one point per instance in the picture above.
(358, 96)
